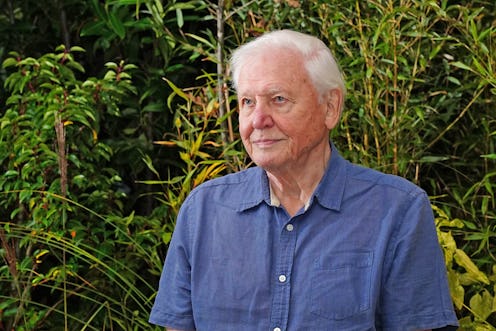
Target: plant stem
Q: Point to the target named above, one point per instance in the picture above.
(221, 72)
(62, 161)
(462, 113)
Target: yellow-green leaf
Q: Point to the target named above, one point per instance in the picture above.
(457, 291)
(463, 260)
(176, 89)
(482, 305)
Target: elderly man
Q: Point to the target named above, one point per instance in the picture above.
(305, 240)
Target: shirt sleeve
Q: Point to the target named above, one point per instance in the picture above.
(172, 306)
(415, 293)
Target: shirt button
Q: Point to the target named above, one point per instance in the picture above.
(277, 329)
(290, 227)
(282, 278)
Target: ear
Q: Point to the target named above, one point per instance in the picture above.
(334, 104)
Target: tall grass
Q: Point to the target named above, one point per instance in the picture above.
(109, 286)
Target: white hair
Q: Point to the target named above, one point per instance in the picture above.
(319, 62)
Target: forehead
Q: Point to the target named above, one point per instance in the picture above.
(272, 70)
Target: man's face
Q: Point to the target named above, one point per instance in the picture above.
(283, 124)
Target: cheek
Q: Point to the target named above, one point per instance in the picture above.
(244, 129)
(308, 133)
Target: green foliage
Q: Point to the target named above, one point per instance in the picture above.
(149, 33)
(198, 141)
(473, 290)
(58, 254)
(94, 170)
(100, 286)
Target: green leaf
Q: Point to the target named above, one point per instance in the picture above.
(176, 90)
(461, 65)
(111, 65)
(75, 65)
(202, 40)
(98, 9)
(9, 62)
(117, 25)
(463, 260)
(457, 291)
(433, 159)
(149, 164)
(77, 49)
(482, 305)
(11, 173)
(454, 80)
(93, 29)
(180, 19)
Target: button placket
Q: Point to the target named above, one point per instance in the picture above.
(282, 290)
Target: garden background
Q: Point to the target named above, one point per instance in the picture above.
(112, 111)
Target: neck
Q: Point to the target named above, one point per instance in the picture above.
(293, 188)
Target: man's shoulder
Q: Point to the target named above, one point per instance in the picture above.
(385, 181)
(231, 180)
(240, 187)
(237, 190)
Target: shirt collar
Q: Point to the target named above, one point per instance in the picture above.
(329, 192)
(255, 186)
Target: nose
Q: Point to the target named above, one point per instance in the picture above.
(262, 118)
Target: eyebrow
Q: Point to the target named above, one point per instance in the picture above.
(268, 92)
(274, 90)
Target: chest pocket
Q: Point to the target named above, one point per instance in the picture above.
(341, 284)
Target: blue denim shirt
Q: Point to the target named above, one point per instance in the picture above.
(362, 256)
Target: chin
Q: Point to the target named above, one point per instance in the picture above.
(268, 165)
(268, 160)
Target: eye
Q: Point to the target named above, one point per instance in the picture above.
(247, 102)
(279, 99)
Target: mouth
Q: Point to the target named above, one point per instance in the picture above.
(265, 142)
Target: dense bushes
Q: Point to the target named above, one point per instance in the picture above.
(99, 148)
